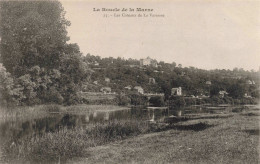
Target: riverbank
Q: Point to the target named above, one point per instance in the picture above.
(202, 138)
(233, 139)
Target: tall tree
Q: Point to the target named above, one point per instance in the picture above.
(32, 33)
(34, 50)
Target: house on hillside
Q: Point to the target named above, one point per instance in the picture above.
(106, 90)
(96, 63)
(249, 82)
(129, 87)
(208, 82)
(222, 94)
(139, 89)
(151, 81)
(107, 79)
(148, 62)
(247, 95)
(176, 91)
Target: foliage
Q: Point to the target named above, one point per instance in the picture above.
(237, 90)
(9, 93)
(157, 101)
(34, 33)
(125, 72)
(138, 99)
(176, 101)
(34, 50)
(67, 143)
(123, 99)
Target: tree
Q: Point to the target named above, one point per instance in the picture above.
(9, 94)
(157, 101)
(176, 101)
(34, 50)
(173, 64)
(236, 90)
(32, 33)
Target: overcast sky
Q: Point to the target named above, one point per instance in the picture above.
(203, 34)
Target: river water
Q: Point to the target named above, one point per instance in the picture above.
(15, 129)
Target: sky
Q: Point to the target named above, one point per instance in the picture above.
(204, 34)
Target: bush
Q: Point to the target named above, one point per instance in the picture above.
(228, 100)
(123, 100)
(157, 101)
(9, 94)
(216, 100)
(176, 101)
(138, 99)
(190, 101)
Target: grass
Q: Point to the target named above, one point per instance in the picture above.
(225, 140)
(68, 143)
(206, 138)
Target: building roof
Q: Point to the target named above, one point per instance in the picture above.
(223, 92)
(138, 87)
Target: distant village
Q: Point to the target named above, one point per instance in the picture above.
(153, 73)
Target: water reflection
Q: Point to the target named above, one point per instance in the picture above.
(16, 129)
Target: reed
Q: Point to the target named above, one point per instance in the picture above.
(68, 143)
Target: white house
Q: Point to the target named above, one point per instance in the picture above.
(129, 87)
(176, 91)
(107, 79)
(222, 93)
(148, 62)
(139, 89)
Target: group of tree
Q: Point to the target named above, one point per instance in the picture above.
(38, 65)
(192, 80)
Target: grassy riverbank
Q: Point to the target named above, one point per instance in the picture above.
(222, 139)
(66, 143)
(203, 138)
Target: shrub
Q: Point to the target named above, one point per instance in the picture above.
(190, 101)
(177, 101)
(123, 100)
(216, 100)
(138, 99)
(228, 100)
(157, 101)
(53, 96)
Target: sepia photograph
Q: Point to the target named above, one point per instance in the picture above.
(120, 81)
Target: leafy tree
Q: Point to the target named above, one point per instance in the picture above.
(32, 33)
(9, 94)
(237, 90)
(34, 50)
(138, 99)
(28, 89)
(176, 101)
(123, 99)
(157, 101)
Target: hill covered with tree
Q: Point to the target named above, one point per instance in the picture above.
(194, 81)
(39, 66)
